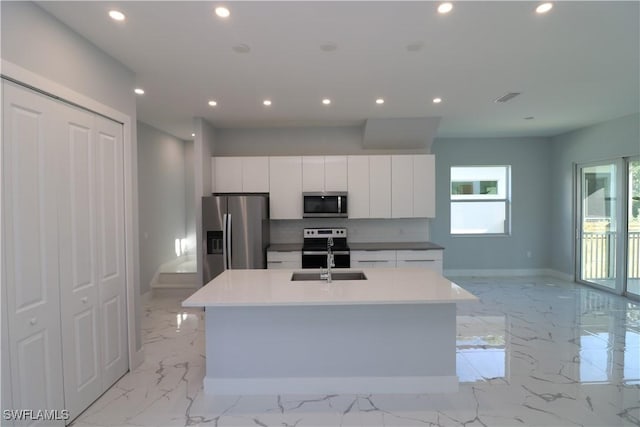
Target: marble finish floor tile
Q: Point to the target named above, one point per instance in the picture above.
(532, 352)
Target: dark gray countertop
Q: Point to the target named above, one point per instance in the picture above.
(284, 247)
(370, 246)
(389, 246)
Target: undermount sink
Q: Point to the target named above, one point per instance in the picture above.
(302, 276)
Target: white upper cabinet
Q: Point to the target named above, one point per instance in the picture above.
(413, 186)
(358, 186)
(324, 173)
(402, 186)
(285, 187)
(240, 174)
(380, 187)
(335, 173)
(313, 173)
(227, 174)
(424, 186)
(255, 174)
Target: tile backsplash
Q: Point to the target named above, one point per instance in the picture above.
(359, 230)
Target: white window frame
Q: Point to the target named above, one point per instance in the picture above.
(483, 198)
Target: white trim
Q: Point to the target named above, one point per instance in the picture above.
(22, 75)
(496, 272)
(560, 275)
(511, 273)
(330, 385)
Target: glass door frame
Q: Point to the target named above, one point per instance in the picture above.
(620, 218)
(627, 200)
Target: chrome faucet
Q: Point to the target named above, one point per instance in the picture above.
(330, 261)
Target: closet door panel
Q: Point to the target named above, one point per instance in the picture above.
(30, 243)
(78, 270)
(110, 244)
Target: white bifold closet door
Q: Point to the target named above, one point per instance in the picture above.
(65, 197)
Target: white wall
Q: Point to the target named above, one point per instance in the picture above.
(162, 195)
(37, 42)
(203, 146)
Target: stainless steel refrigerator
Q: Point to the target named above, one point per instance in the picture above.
(235, 231)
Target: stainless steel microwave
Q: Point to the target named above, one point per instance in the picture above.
(324, 205)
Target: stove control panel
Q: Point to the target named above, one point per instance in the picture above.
(315, 233)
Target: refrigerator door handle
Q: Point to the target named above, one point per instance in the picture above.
(229, 257)
(224, 240)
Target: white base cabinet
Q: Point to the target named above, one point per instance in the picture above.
(64, 260)
(430, 259)
(373, 259)
(284, 260)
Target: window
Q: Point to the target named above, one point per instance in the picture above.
(480, 199)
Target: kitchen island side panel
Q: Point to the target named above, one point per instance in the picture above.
(331, 342)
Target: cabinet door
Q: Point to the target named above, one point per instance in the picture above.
(358, 186)
(424, 186)
(313, 173)
(30, 250)
(380, 186)
(228, 175)
(402, 186)
(285, 187)
(255, 174)
(335, 173)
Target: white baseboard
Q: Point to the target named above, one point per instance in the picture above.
(510, 273)
(330, 385)
(496, 272)
(560, 275)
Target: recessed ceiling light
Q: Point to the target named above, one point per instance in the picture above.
(445, 7)
(241, 48)
(116, 15)
(213, 103)
(415, 46)
(222, 12)
(266, 102)
(328, 47)
(544, 7)
(379, 101)
(139, 91)
(437, 100)
(193, 134)
(326, 101)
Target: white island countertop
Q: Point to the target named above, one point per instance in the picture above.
(246, 288)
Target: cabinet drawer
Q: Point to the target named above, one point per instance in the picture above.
(374, 256)
(434, 265)
(294, 256)
(419, 255)
(284, 265)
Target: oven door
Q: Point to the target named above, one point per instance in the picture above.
(318, 259)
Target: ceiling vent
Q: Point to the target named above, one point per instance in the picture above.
(507, 97)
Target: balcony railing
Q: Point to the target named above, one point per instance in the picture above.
(599, 255)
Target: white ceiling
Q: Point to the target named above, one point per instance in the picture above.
(575, 66)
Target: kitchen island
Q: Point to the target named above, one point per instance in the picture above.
(394, 332)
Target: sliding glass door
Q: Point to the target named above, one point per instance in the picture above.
(598, 225)
(633, 227)
(608, 237)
